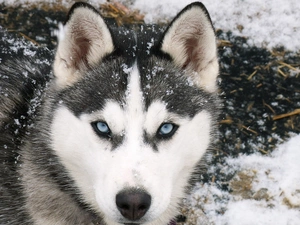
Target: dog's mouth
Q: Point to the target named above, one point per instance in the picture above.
(133, 223)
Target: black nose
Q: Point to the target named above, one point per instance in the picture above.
(133, 204)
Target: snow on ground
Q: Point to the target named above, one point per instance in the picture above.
(265, 190)
(267, 23)
(271, 191)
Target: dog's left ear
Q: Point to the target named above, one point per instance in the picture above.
(84, 41)
(190, 41)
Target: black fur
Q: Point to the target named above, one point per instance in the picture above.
(27, 103)
(21, 87)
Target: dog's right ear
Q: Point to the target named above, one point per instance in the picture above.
(190, 41)
(83, 41)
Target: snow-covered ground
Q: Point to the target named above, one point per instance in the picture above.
(264, 191)
(270, 192)
(267, 23)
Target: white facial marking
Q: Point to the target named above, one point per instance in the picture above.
(134, 108)
(113, 115)
(158, 111)
(101, 172)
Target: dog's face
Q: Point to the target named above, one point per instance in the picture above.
(131, 133)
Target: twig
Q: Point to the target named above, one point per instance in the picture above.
(25, 36)
(248, 129)
(288, 66)
(251, 75)
(226, 121)
(29, 39)
(223, 43)
(281, 72)
(263, 151)
(281, 116)
(269, 107)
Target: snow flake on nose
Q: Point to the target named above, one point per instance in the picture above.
(137, 176)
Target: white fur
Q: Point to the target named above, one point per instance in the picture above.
(101, 173)
(194, 25)
(88, 25)
(134, 109)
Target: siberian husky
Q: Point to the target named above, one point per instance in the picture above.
(116, 130)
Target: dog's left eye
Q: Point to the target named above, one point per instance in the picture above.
(102, 129)
(166, 130)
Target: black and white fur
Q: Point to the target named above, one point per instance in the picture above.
(118, 132)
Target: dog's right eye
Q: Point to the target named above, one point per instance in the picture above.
(102, 129)
(166, 130)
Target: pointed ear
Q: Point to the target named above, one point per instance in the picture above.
(191, 43)
(83, 41)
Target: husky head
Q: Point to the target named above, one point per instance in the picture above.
(133, 112)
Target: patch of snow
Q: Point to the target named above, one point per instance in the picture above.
(250, 212)
(266, 23)
(273, 190)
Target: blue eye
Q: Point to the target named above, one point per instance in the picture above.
(166, 130)
(102, 129)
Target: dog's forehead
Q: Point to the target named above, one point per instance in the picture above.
(135, 87)
(136, 75)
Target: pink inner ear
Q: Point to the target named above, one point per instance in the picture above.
(80, 51)
(193, 54)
